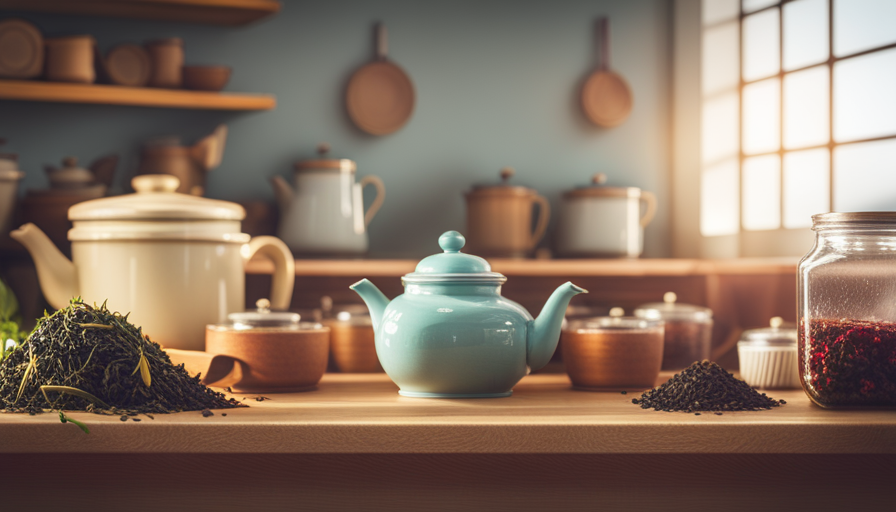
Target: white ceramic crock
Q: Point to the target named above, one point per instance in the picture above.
(599, 221)
(323, 213)
(175, 262)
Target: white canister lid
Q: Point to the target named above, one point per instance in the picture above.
(156, 199)
(778, 334)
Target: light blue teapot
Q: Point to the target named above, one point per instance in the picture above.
(452, 334)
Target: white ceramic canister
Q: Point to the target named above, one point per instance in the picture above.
(323, 214)
(768, 356)
(175, 262)
(601, 221)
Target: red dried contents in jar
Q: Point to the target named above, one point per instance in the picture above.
(851, 362)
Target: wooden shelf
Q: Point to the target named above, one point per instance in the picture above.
(26, 90)
(211, 12)
(549, 268)
(358, 413)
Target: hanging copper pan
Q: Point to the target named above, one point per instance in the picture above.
(380, 95)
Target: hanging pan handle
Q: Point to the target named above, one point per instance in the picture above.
(382, 41)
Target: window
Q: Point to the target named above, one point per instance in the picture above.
(798, 113)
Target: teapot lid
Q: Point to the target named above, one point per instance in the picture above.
(453, 266)
(262, 316)
(156, 199)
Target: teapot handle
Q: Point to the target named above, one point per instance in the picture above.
(284, 268)
(380, 196)
(650, 200)
(544, 215)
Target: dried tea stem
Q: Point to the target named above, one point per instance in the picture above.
(72, 391)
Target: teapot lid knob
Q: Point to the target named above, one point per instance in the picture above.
(323, 148)
(70, 161)
(452, 241)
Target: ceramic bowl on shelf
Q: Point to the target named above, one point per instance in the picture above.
(206, 78)
(275, 351)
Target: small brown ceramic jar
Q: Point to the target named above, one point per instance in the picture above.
(167, 57)
(614, 352)
(499, 218)
(351, 337)
(275, 352)
(70, 59)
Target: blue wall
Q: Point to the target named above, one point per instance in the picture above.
(497, 85)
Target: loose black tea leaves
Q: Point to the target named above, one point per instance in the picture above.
(850, 362)
(704, 387)
(87, 358)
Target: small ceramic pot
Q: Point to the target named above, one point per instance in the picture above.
(600, 221)
(768, 356)
(206, 78)
(275, 352)
(499, 218)
(613, 352)
(352, 345)
(70, 59)
(167, 57)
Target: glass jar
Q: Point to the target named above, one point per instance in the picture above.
(688, 330)
(847, 310)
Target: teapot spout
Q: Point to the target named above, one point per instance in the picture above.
(56, 273)
(374, 298)
(543, 333)
(283, 193)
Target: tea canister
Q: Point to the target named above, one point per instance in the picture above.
(847, 311)
(768, 358)
(613, 352)
(688, 335)
(602, 221)
(499, 218)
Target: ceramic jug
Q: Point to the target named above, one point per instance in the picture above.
(452, 335)
(323, 214)
(189, 164)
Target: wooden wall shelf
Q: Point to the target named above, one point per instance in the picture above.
(549, 268)
(58, 92)
(211, 12)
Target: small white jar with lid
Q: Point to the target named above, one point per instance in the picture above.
(768, 356)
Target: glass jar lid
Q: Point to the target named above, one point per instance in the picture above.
(778, 334)
(669, 309)
(351, 314)
(264, 317)
(453, 266)
(616, 322)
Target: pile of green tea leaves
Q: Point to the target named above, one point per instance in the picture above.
(90, 359)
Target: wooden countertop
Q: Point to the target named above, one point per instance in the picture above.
(357, 413)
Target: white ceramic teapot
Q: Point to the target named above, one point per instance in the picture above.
(324, 214)
(173, 261)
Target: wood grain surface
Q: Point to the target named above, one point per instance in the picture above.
(362, 413)
(59, 92)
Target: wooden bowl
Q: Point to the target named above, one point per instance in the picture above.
(273, 360)
(206, 78)
(602, 356)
